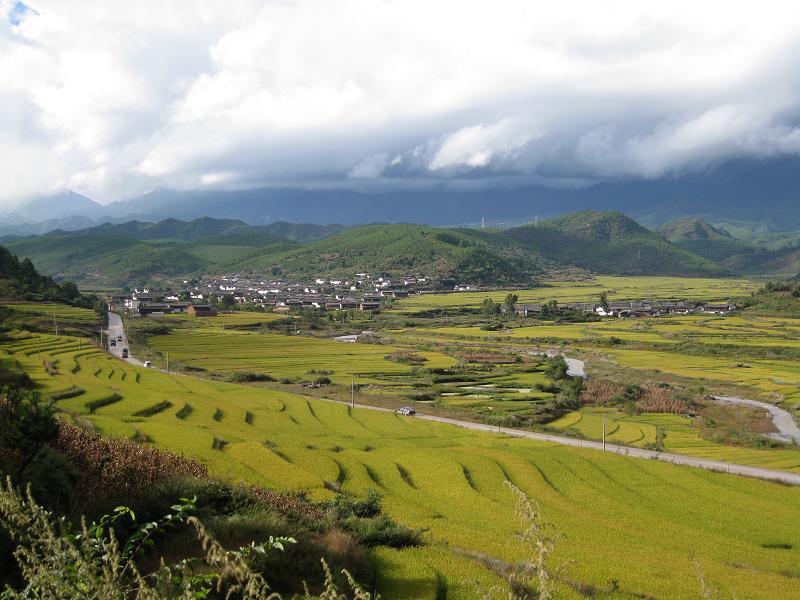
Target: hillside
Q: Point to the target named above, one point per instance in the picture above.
(762, 254)
(609, 242)
(105, 260)
(399, 249)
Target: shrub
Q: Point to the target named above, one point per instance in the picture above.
(406, 358)
(248, 377)
(556, 368)
(154, 409)
(184, 413)
(93, 405)
(68, 393)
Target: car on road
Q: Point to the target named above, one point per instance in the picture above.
(406, 410)
(113, 342)
(148, 364)
(124, 353)
(119, 338)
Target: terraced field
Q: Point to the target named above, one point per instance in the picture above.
(618, 288)
(681, 437)
(632, 527)
(656, 347)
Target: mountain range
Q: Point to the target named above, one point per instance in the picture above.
(140, 252)
(756, 196)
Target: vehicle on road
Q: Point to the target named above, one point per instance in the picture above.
(148, 364)
(119, 338)
(406, 410)
(124, 353)
(113, 342)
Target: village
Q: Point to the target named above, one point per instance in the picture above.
(363, 292)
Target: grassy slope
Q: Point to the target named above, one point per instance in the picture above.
(637, 522)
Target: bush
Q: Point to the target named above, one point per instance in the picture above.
(406, 358)
(556, 368)
(247, 377)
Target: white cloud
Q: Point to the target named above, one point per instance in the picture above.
(112, 100)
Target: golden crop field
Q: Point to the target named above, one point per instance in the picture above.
(614, 511)
(278, 355)
(617, 287)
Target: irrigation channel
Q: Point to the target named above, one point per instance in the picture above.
(577, 369)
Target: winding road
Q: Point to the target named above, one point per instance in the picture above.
(577, 367)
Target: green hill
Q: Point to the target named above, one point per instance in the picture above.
(761, 255)
(612, 243)
(110, 259)
(399, 249)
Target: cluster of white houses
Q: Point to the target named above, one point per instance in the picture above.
(359, 293)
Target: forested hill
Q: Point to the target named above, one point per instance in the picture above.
(138, 252)
(775, 254)
(609, 242)
(19, 279)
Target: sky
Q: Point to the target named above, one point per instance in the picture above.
(114, 99)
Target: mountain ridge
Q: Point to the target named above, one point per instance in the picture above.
(602, 242)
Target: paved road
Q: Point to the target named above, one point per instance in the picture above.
(116, 328)
(115, 331)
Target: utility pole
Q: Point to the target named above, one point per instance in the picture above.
(536, 221)
(604, 432)
(167, 363)
(353, 392)
(55, 322)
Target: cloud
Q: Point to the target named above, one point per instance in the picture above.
(114, 101)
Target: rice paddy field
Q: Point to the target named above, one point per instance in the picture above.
(60, 312)
(732, 347)
(631, 528)
(208, 347)
(617, 287)
(681, 437)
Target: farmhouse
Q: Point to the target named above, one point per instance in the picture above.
(201, 310)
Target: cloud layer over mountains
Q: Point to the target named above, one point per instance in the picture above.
(114, 100)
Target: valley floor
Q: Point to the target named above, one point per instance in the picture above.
(631, 527)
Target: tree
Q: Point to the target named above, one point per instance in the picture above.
(510, 302)
(550, 309)
(70, 291)
(227, 302)
(489, 308)
(604, 301)
(27, 425)
(185, 296)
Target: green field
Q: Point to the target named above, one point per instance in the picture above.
(208, 347)
(640, 523)
(62, 312)
(681, 437)
(617, 287)
(756, 352)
